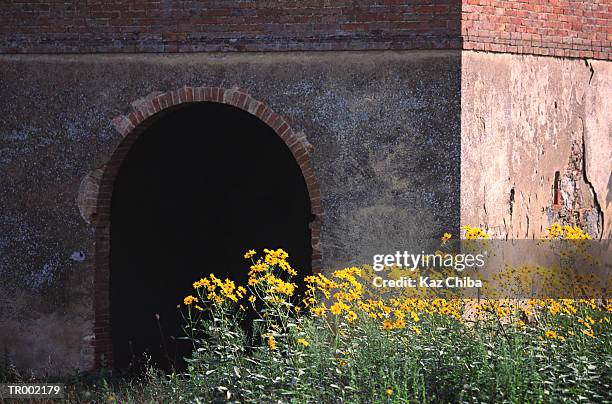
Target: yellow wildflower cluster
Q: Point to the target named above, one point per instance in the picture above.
(278, 258)
(556, 231)
(343, 288)
(266, 272)
(265, 280)
(567, 315)
(216, 290)
(344, 295)
(474, 233)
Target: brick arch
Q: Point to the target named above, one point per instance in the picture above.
(131, 125)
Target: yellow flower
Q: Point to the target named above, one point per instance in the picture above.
(336, 309)
(351, 316)
(253, 281)
(400, 323)
(446, 237)
(588, 333)
(551, 334)
(554, 308)
(271, 342)
(416, 330)
(249, 254)
(474, 233)
(389, 392)
(302, 341)
(415, 317)
(387, 324)
(190, 299)
(318, 311)
(252, 298)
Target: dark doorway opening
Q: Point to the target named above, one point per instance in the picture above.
(197, 189)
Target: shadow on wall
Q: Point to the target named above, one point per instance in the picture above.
(197, 189)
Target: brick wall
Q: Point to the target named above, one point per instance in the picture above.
(571, 28)
(58, 26)
(574, 28)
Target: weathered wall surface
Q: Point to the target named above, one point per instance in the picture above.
(524, 118)
(385, 129)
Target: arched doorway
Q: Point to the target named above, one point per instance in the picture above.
(195, 189)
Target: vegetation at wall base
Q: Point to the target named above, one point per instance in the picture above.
(340, 343)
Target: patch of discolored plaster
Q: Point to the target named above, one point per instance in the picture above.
(522, 117)
(396, 157)
(87, 195)
(380, 229)
(577, 205)
(77, 256)
(47, 344)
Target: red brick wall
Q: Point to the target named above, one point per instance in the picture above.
(58, 26)
(574, 28)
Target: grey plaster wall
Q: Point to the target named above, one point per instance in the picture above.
(385, 127)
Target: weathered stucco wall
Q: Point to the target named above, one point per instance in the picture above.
(523, 119)
(385, 128)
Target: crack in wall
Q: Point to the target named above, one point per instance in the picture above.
(597, 206)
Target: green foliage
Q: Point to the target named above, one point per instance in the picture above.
(339, 344)
(449, 361)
